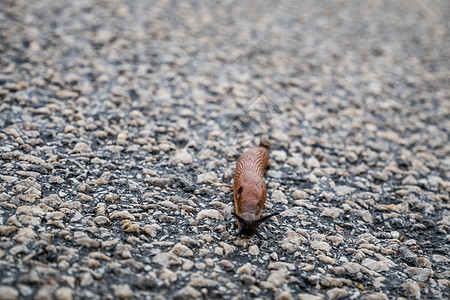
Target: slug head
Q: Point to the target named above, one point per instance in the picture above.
(250, 228)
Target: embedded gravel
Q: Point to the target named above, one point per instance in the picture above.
(120, 124)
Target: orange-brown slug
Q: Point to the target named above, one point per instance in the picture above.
(249, 189)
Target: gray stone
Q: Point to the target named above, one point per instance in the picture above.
(412, 289)
(8, 293)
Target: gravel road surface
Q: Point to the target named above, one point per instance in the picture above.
(121, 123)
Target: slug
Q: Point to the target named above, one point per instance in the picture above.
(249, 189)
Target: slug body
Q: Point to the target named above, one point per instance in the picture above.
(249, 189)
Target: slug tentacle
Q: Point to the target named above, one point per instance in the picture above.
(249, 228)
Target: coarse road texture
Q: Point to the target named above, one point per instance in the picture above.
(121, 123)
